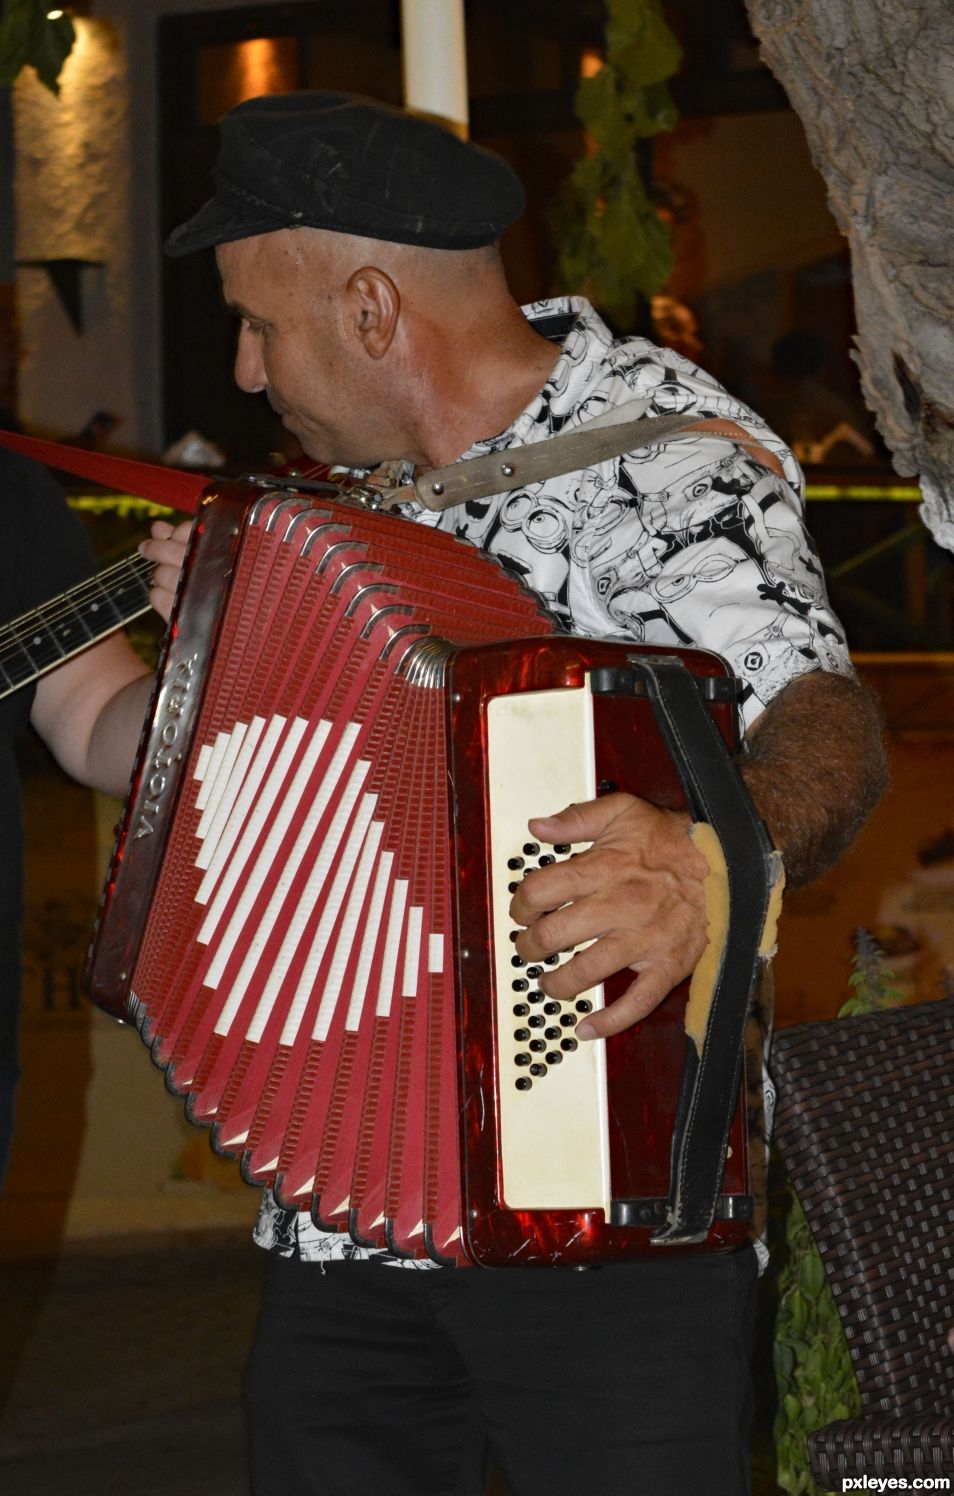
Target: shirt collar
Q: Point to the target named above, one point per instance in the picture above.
(584, 339)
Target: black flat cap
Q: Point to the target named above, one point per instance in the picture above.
(337, 161)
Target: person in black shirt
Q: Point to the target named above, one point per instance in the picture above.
(88, 710)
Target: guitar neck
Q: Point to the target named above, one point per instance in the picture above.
(40, 640)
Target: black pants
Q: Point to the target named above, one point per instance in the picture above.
(628, 1379)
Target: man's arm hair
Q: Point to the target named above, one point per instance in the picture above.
(816, 767)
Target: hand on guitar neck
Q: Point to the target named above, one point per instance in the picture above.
(166, 550)
(167, 546)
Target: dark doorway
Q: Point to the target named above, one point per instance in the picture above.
(208, 63)
(524, 59)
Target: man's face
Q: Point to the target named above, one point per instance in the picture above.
(294, 343)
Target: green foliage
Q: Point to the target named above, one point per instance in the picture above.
(29, 39)
(814, 1375)
(872, 981)
(813, 1371)
(612, 243)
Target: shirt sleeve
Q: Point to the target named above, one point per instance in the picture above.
(698, 544)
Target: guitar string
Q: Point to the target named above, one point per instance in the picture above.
(48, 616)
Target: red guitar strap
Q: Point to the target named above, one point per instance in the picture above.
(147, 480)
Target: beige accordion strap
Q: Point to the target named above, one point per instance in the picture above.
(618, 430)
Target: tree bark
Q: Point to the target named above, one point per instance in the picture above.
(873, 83)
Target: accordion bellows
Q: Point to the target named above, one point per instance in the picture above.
(306, 915)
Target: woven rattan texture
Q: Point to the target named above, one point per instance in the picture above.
(865, 1125)
(883, 1447)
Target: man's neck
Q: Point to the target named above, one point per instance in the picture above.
(481, 390)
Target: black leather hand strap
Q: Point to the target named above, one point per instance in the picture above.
(715, 793)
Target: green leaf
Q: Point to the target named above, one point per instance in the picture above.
(53, 43)
(811, 1275)
(612, 242)
(641, 43)
(798, 1315)
(784, 1359)
(29, 38)
(16, 24)
(661, 112)
(792, 1406)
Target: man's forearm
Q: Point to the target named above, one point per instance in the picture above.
(112, 744)
(816, 767)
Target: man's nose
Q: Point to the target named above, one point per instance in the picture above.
(249, 365)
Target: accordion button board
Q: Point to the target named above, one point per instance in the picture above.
(306, 914)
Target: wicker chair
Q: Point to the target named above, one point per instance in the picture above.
(865, 1125)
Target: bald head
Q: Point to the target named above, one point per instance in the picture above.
(423, 277)
(371, 350)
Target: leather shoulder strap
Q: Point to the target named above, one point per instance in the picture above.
(610, 435)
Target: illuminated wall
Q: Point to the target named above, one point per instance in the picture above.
(86, 188)
(71, 206)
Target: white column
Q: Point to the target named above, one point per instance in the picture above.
(434, 48)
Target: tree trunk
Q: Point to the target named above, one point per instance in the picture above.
(873, 82)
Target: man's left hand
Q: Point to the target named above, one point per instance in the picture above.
(636, 893)
(167, 549)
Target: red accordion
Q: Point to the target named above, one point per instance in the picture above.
(306, 914)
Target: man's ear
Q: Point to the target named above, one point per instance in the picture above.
(376, 309)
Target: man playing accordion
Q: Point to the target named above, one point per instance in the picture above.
(358, 247)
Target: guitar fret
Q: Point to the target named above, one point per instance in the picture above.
(35, 642)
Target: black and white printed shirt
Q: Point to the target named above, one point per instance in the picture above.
(689, 543)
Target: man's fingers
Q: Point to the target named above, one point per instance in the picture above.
(630, 900)
(580, 822)
(635, 1004)
(547, 888)
(166, 548)
(167, 542)
(587, 967)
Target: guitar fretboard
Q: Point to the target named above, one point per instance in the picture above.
(43, 638)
